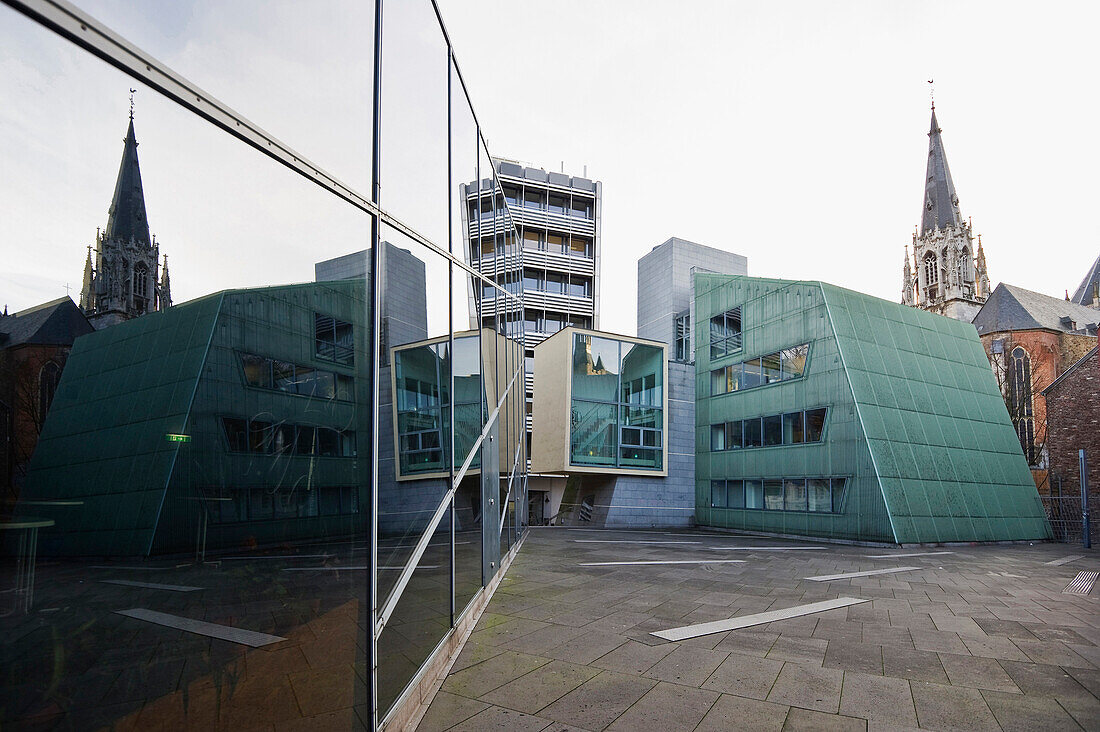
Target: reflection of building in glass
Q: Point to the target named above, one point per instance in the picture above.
(245, 404)
(554, 267)
(844, 416)
(421, 376)
(124, 281)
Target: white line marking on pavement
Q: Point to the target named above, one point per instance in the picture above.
(353, 566)
(199, 627)
(153, 585)
(666, 561)
(868, 573)
(764, 548)
(916, 554)
(283, 556)
(1082, 583)
(744, 621)
(1066, 560)
(630, 541)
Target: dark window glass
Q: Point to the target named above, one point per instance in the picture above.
(735, 494)
(555, 283)
(307, 441)
(773, 430)
(839, 484)
(328, 442)
(815, 424)
(334, 340)
(683, 337)
(718, 493)
(725, 333)
(794, 494)
(733, 435)
(557, 203)
(752, 375)
(282, 441)
(773, 495)
(347, 444)
(532, 280)
(257, 370)
(717, 437)
(261, 504)
(236, 434)
(329, 501)
(511, 194)
(754, 494)
(259, 436)
(533, 199)
(283, 377)
(819, 496)
(345, 388)
(753, 434)
(769, 368)
(582, 207)
(792, 428)
(349, 499)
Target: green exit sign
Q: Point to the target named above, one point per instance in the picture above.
(177, 438)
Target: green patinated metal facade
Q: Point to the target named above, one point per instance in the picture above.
(916, 439)
(273, 408)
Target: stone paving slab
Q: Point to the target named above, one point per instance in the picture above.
(982, 638)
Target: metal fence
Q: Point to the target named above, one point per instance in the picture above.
(1064, 510)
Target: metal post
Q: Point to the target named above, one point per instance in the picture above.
(1085, 538)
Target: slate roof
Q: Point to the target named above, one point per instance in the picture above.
(940, 207)
(126, 218)
(1083, 294)
(1014, 308)
(55, 323)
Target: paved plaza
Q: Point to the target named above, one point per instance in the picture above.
(962, 638)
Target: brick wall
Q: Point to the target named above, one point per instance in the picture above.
(1073, 423)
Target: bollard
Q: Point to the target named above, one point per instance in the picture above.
(1085, 538)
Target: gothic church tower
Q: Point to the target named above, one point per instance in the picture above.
(125, 280)
(946, 275)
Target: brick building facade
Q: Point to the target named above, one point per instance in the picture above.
(1073, 423)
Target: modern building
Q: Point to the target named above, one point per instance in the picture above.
(824, 412)
(552, 263)
(1031, 339)
(34, 347)
(124, 283)
(242, 410)
(946, 275)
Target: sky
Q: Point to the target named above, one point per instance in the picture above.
(792, 133)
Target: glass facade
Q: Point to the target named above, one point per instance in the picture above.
(327, 473)
(617, 409)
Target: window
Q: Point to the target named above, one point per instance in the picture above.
(1020, 406)
(48, 379)
(819, 497)
(773, 430)
(682, 337)
(964, 272)
(557, 203)
(734, 435)
(751, 375)
(769, 369)
(259, 436)
(718, 493)
(773, 495)
(256, 436)
(580, 247)
(792, 428)
(754, 494)
(267, 373)
(334, 340)
(717, 437)
(813, 495)
(582, 207)
(794, 494)
(815, 424)
(511, 195)
(578, 286)
(532, 239)
(555, 243)
(533, 199)
(793, 361)
(236, 434)
(735, 494)
(752, 432)
(931, 269)
(725, 333)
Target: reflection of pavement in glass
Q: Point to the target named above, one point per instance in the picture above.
(75, 663)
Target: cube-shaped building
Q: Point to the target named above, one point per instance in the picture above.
(825, 412)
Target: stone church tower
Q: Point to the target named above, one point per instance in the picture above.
(125, 280)
(946, 274)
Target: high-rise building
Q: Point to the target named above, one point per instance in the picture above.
(123, 283)
(946, 275)
(554, 266)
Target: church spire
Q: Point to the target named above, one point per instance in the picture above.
(164, 289)
(87, 297)
(941, 204)
(126, 218)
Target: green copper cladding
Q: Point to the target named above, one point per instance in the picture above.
(915, 424)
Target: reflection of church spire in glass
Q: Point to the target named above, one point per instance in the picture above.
(126, 217)
(941, 204)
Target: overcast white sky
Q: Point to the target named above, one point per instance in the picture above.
(792, 133)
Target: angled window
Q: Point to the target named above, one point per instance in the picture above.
(334, 340)
(48, 379)
(682, 350)
(725, 333)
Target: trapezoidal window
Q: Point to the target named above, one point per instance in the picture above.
(725, 333)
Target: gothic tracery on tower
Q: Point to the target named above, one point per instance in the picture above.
(946, 275)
